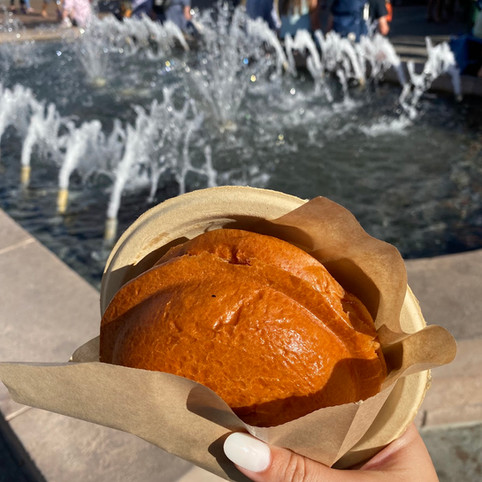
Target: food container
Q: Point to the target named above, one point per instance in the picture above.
(187, 419)
(189, 215)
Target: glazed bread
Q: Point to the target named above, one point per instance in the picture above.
(256, 319)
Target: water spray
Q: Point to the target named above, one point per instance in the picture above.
(236, 56)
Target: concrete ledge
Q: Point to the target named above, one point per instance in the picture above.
(455, 395)
(40, 35)
(450, 295)
(449, 290)
(64, 449)
(48, 311)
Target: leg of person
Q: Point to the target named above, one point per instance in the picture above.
(28, 7)
(58, 5)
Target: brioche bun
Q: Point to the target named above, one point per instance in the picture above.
(257, 320)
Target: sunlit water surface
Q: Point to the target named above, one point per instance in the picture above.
(414, 182)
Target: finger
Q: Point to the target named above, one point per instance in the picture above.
(262, 463)
(405, 459)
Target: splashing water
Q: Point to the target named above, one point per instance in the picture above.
(16, 107)
(158, 142)
(82, 145)
(43, 130)
(233, 108)
(234, 53)
(230, 58)
(440, 61)
(93, 56)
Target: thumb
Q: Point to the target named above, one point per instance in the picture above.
(263, 463)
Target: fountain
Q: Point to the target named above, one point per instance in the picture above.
(102, 127)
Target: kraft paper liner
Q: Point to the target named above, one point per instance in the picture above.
(179, 415)
(184, 217)
(189, 420)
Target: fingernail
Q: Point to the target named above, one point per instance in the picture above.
(247, 452)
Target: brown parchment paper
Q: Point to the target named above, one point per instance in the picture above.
(189, 420)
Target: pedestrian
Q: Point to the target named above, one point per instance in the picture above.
(347, 18)
(76, 13)
(57, 8)
(25, 7)
(298, 15)
(378, 15)
(178, 12)
(265, 10)
(141, 8)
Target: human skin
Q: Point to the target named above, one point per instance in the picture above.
(383, 26)
(404, 460)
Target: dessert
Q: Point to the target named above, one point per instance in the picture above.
(254, 318)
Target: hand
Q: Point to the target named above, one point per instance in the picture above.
(405, 459)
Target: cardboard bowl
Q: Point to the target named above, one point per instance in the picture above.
(189, 215)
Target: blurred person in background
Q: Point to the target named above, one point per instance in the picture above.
(378, 15)
(264, 9)
(57, 8)
(76, 13)
(298, 15)
(140, 8)
(467, 48)
(347, 18)
(353, 18)
(25, 7)
(178, 12)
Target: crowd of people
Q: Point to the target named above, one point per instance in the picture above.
(78, 12)
(354, 18)
(349, 18)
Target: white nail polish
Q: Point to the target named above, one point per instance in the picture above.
(247, 452)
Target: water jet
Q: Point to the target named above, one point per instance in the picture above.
(235, 108)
